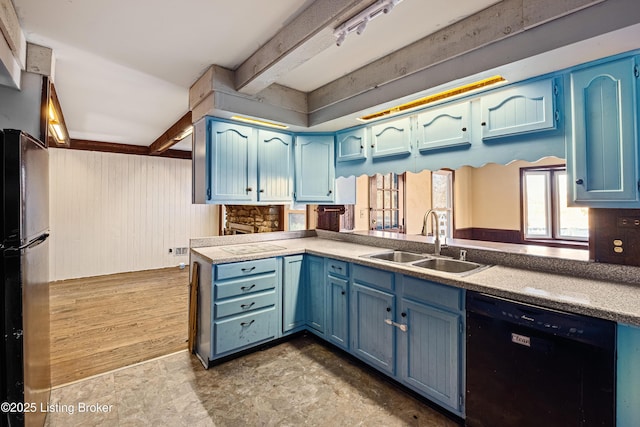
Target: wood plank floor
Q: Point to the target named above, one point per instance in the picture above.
(103, 323)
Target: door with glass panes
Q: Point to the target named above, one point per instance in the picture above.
(386, 202)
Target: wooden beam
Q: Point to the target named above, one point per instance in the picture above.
(168, 139)
(10, 29)
(112, 147)
(304, 37)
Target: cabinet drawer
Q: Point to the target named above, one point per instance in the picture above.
(232, 288)
(373, 277)
(432, 293)
(241, 331)
(251, 302)
(337, 268)
(245, 268)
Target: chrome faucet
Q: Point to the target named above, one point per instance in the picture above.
(436, 229)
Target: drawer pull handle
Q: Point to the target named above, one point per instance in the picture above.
(244, 324)
(335, 267)
(248, 288)
(246, 270)
(246, 306)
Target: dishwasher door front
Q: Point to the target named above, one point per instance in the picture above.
(530, 375)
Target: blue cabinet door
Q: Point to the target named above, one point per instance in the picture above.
(293, 295)
(232, 163)
(372, 339)
(391, 138)
(338, 311)
(628, 373)
(351, 145)
(275, 166)
(446, 126)
(602, 161)
(314, 168)
(429, 352)
(315, 284)
(528, 107)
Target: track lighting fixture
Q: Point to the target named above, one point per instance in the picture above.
(359, 22)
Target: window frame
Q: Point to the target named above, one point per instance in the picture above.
(449, 210)
(553, 238)
(373, 208)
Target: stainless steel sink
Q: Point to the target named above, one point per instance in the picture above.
(398, 256)
(448, 265)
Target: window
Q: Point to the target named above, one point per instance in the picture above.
(386, 202)
(544, 205)
(442, 200)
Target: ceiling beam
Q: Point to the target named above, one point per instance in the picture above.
(112, 147)
(169, 138)
(501, 21)
(305, 36)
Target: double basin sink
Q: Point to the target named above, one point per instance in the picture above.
(431, 262)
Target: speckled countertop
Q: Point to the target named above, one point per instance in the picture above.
(571, 284)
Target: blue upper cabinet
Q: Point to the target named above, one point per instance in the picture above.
(314, 168)
(392, 138)
(351, 145)
(602, 157)
(232, 163)
(275, 166)
(523, 108)
(445, 126)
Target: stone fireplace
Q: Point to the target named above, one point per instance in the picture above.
(243, 219)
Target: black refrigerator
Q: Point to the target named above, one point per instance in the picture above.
(24, 267)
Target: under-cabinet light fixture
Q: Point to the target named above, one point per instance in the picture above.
(359, 22)
(259, 122)
(460, 90)
(55, 120)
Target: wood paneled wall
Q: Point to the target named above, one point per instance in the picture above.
(113, 213)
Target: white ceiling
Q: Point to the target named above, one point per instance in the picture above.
(124, 67)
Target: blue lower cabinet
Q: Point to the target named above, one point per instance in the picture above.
(372, 339)
(238, 332)
(338, 311)
(293, 294)
(628, 377)
(429, 352)
(315, 289)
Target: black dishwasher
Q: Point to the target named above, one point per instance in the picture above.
(533, 366)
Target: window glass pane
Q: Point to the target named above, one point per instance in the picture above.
(379, 222)
(394, 219)
(379, 181)
(394, 183)
(387, 219)
(440, 190)
(537, 205)
(387, 180)
(379, 199)
(297, 221)
(573, 223)
(394, 200)
(387, 199)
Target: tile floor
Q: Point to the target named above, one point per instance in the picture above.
(300, 382)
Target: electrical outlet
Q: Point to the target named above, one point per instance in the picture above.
(181, 251)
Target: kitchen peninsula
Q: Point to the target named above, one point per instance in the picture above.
(332, 265)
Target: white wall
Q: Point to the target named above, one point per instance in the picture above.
(112, 213)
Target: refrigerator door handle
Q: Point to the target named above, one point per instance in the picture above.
(31, 244)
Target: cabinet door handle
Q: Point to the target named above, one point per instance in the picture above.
(402, 327)
(388, 309)
(579, 181)
(248, 288)
(247, 270)
(342, 293)
(244, 324)
(403, 314)
(262, 190)
(249, 189)
(330, 191)
(246, 306)
(464, 129)
(483, 124)
(335, 267)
